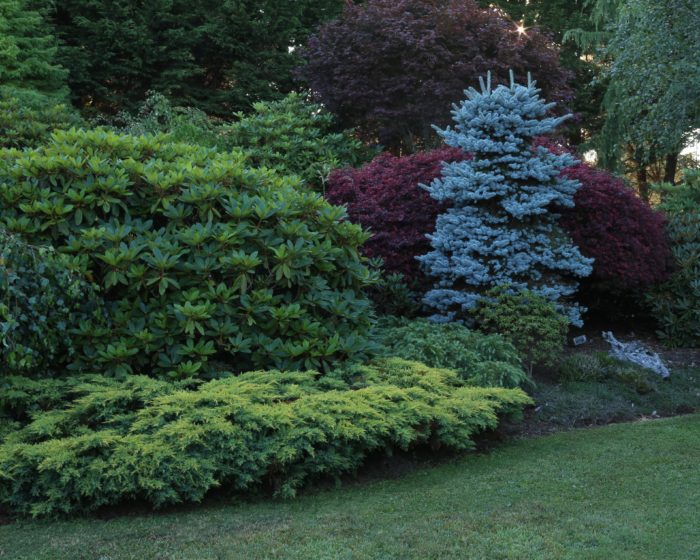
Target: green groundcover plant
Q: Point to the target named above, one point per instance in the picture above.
(601, 367)
(481, 359)
(111, 441)
(200, 259)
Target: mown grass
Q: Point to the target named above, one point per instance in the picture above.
(627, 491)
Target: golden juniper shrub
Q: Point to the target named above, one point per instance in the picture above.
(114, 440)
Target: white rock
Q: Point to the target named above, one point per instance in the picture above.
(636, 353)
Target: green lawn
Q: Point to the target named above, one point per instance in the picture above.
(623, 492)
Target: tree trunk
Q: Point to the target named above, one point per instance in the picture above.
(671, 167)
(643, 182)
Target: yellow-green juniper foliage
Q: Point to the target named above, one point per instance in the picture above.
(113, 440)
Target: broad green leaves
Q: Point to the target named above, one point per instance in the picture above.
(47, 310)
(198, 257)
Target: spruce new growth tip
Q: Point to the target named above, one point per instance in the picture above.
(502, 225)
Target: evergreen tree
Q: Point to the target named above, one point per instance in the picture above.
(217, 56)
(604, 15)
(501, 228)
(27, 53)
(33, 91)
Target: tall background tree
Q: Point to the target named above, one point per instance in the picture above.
(28, 53)
(653, 98)
(393, 67)
(598, 30)
(646, 51)
(33, 90)
(219, 56)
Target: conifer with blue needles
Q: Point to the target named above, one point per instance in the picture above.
(501, 228)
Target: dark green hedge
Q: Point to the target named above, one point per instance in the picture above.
(43, 304)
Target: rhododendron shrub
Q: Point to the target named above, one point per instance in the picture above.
(384, 196)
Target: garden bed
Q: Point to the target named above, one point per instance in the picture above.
(566, 404)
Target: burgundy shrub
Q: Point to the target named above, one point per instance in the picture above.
(612, 224)
(384, 196)
(393, 68)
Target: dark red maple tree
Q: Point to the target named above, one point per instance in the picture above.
(384, 196)
(612, 224)
(393, 68)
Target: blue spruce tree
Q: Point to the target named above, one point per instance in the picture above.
(501, 228)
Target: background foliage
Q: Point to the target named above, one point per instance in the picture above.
(556, 18)
(676, 303)
(216, 56)
(33, 91)
(28, 52)
(27, 119)
(653, 97)
(294, 137)
(158, 115)
(42, 306)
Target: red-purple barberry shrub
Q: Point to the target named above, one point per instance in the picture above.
(622, 232)
(384, 196)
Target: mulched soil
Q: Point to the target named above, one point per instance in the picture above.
(674, 357)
